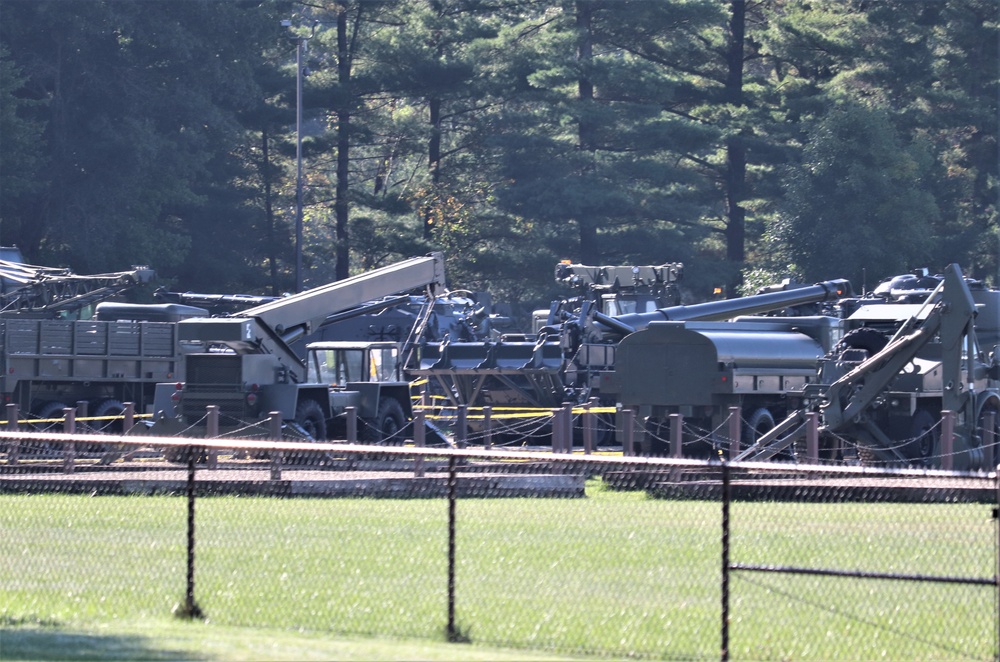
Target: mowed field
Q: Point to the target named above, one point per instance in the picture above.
(614, 575)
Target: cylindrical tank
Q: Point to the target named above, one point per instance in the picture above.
(712, 311)
(670, 364)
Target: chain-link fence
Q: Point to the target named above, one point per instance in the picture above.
(580, 553)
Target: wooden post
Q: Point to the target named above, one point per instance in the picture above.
(588, 423)
(487, 427)
(69, 451)
(989, 439)
(419, 440)
(676, 435)
(212, 432)
(82, 411)
(352, 425)
(274, 430)
(812, 436)
(14, 446)
(567, 427)
(628, 432)
(947, 440)
(128, 417)
(556, 431)
(462, 427)
(735, 424)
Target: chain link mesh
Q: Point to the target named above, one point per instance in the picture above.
(593, 554)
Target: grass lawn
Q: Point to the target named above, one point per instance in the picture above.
(615, 574)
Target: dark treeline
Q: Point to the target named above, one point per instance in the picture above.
(750, 140)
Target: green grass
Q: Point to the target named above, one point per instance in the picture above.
(613, 574)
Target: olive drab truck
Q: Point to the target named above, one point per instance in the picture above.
(245, 364)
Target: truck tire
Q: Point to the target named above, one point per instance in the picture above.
(870, 340)
(757, 425)
(925, 434)
(109, 407)
(51, 409)
(309, 416)
(387, 424)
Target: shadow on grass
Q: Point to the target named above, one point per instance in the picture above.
(45, 644)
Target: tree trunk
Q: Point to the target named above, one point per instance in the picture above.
(589, 250)
(736, 155)
(340, 205)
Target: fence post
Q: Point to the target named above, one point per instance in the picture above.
(947, 439)
(452, 484)
(419, 440)
(628, 432)
(83, 411)
(128, 417)
(212, 432)
(726, 495)
(274, 430)
(352, 424)
(487, 427)
(812, 436)
(462, 427)
(676, 443)
(13, 446)
(567, 427)
(588, 423)
(556, 431)
(989, 439)
(735, 423)
(69, 450)
(190, 609)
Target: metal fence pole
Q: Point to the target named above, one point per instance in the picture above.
(190, 608)
(588, 422)
(726, 495)
(452, 632)
(13, 446)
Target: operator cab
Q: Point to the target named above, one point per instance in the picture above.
(340, 363)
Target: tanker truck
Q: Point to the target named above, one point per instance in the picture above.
(571, 361)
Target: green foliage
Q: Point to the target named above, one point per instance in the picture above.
(512, 133)
(858, 201)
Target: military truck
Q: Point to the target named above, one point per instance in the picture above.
(50, 360)
(572, 361)
(245, 364)
(902, 363)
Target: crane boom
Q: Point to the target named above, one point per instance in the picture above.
(270, 328)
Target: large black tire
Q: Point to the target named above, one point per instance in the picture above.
(109, 407)
(387, 424)
(870, 340)
(51, 409)
(757, 425)
(309, 416)
(924, 440)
